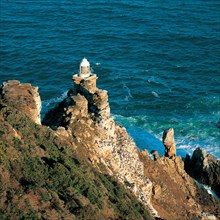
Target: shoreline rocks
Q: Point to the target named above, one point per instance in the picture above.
(169, 143)
(205, 168)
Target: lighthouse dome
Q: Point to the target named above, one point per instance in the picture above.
(84, 69)
(84, 62)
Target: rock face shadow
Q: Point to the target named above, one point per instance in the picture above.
(205, 168)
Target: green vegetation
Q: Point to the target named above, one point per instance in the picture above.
(43, 177)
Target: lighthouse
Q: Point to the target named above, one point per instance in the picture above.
(84, 68)
(85, 79)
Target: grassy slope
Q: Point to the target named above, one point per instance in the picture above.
(43, 177)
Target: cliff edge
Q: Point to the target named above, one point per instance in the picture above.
(81, 164)
(23, 97)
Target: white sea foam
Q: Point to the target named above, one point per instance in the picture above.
(55, 100)
(208, 188)
(48, 104)
(128, 91)
(159, 81)
(155, 94)
(183, 147)
(148, 135)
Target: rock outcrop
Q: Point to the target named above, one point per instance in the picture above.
(205, 168)
(175, 194)
(85, 115)
(169, 143)
(24, 97)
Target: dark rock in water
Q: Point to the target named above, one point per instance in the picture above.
(169, 143)
(205, 168)
(187, 163)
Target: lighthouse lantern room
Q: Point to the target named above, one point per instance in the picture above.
(85, 79)
(84, 68)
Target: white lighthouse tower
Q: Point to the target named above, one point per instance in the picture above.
(85, 79)
(84, 68)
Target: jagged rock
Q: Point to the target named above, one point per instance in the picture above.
(100, 99)
(156, 191)
(144, 154)
(24, 97)
(175, 194)
(169, 143)
(155, 154)
(81, 104)
(85, 84)
(61, 131)
(205, 168)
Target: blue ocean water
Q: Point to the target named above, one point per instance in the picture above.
(159, 61)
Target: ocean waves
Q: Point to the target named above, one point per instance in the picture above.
(189, 135)
(158, 60)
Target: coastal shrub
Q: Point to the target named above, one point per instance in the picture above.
(17, 142)
(12, 212)
(119, 192)
(30, 215)
(45, 196)
(3, 157)
(78, 188)
(59, 177)
(108, 184)
(93, 195)
(19, 121)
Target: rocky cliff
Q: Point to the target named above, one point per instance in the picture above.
(46, 174)
(85, 115)
(175, 194)
(88, 144)
(23, 97)
(205, 168)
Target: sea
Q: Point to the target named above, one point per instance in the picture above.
(158, 60)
